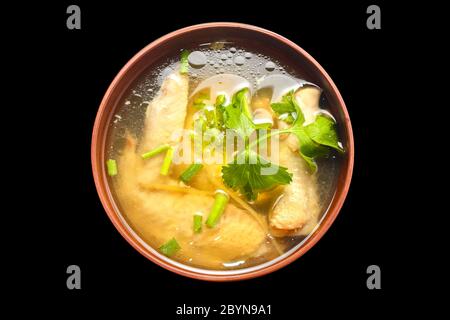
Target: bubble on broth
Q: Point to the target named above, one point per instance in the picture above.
(239, 60)
(270, 66)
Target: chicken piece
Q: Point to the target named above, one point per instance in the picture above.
(158, 216)
(297, 211)
(163, 118)
(166, 112)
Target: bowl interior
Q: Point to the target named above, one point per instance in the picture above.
(255, 40)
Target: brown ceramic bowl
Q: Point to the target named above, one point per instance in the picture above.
(260, 40)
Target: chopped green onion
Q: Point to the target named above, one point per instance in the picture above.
(184, 63)
(220, 100)
(199, 125)
(155, 151)
(210, 115)
(112, 167)
(199, 101)
(170, 247)
(199, 105)
(197, 223)
(167, 161)
(192, 170)
(220, 202)
(220, 109)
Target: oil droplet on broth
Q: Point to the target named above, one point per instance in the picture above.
(197, 59)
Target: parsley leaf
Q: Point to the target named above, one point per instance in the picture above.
(249, 173)
(288, 109)
(282, 108)
(247, 178)
(237, 115)
(316, 138)
(239, 101)
(239, 122)
(309, 150)
(323, 131)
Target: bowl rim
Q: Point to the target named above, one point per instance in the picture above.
(104, 192)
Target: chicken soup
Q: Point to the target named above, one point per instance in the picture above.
(222, 158)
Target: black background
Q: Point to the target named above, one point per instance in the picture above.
(73, 69)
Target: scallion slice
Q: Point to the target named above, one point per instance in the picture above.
(111, 166)
(191, 171)
(184, 63)
(155, 151)
(197, 223)
(170, 247)
(220, 203)
(167, 161)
